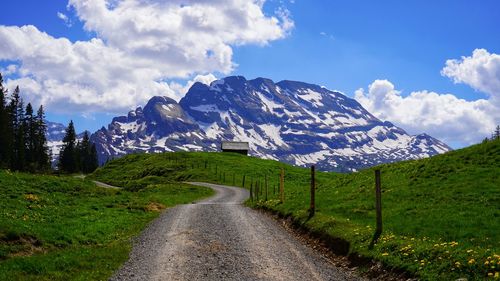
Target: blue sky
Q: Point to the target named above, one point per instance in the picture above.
(383, 50)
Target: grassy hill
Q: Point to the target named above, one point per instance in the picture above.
(441, 215)
(64, 228)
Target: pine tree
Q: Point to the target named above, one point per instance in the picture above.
(83, 149)
(16, 115)
(68, 154)
(496, 135)
(93, 160)
(42, 158)
(87, 154)
(5, 132)
(30, 137)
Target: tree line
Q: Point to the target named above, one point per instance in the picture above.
(77, 156)
(23, 142)
(23, 145)
(494, 136)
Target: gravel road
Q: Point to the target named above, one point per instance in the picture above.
(220, 239)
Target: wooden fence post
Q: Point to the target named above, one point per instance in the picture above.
(257, 189)
(312, 207)
(282, 185)
(251, 191)
(243, 183)
(266, 186)
(378, 208)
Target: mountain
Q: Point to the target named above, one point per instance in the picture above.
(55, 134)
(289, 121)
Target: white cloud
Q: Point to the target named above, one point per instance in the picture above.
(324, 34)
(481, 71)
(443, 116)
(186, 35)
(181, 90)
(65, 19)
(140, 44)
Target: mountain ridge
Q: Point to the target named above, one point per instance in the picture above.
(290, 121)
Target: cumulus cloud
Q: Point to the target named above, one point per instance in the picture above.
(139, 46)
(443, 116)
(65, 19)
(181, 90)
(480, 71)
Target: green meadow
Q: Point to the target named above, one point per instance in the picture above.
(64, 228)
(441, 215)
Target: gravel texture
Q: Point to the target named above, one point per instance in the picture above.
(220, 239)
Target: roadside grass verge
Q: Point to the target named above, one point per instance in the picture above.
(64, 228)
(440, 215)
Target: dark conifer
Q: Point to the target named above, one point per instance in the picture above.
(42, 158)
(5, 132)
(30, 137)
(68, 154)
(16, 116)
(93, 161)
(87, 154)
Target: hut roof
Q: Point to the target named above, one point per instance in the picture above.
(231, 145)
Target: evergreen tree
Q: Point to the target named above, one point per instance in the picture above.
(78, 156)
(496, 134)
(87, 154)
(41, 152)
(16, 116)
(23, 144)
(5, 132)
(93, 160)
(68, 154)
(30, 137)
(84, 151)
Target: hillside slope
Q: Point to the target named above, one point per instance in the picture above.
(64, 228)
(441, 214)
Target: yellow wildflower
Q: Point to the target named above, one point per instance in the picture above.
(385, 254)
(471, 261)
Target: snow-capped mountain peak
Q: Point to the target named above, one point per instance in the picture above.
(290, 121)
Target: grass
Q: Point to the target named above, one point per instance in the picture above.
(440, 215)
(64, 228)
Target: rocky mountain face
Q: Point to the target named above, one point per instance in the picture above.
(289, 121)
(55, 135)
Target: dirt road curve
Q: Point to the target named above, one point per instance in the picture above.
(219, 239)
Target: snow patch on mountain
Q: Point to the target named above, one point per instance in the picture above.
(289, 121)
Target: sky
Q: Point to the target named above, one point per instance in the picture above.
(427, 66)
